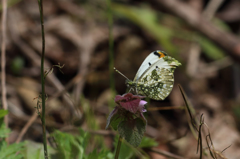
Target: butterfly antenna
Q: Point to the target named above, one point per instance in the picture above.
(120, 73)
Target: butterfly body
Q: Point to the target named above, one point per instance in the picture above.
(155, 78)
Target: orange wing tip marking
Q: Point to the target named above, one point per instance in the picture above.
(161, 54)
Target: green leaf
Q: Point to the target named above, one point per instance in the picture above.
(4, 131)
(112, 117)
(221, 24)
(148, 142)
(67, 145)
(115, 121)
(93, 155)
(83, 138)
(11, 151)
(71, 146)
(3, 112)
(210, 49)
(132, 131)
(34, 150)
(6, 151)
(103, 154)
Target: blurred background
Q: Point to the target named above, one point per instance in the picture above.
(204, 35)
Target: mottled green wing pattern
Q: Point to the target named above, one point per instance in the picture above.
(157, 81)
(157, 84)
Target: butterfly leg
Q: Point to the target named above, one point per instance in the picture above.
(130, 90)
(133, 90)
(136, 90)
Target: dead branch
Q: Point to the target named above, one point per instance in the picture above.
(167, 154)
(3, 61)
(226, 40)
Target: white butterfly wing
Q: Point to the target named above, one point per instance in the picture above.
(157, 81)
(155, 78)
(166, 62)
(150, 59)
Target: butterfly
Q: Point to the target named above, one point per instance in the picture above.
(154, 78)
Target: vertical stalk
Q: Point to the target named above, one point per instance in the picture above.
(111, 65)
(43, 81)
(111, 46)
(118, 147)
(3, 61)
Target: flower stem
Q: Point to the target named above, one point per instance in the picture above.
(118, 147)
(111, 50)
(43, 81)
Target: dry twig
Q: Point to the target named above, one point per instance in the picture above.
(226, 40)
(195, 49)
(167, 154)
(26, 127)
(3, 61)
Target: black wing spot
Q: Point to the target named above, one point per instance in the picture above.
(149, 64)
(156, 66)
(156, 53)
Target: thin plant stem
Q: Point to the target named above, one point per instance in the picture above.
(43, 81)
(189, 110)
(3, 62)
(166, 154)
(118, 147)
(111, 47)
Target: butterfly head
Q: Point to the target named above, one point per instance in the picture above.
(132, 86)
(130, 83)
(160, 54)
